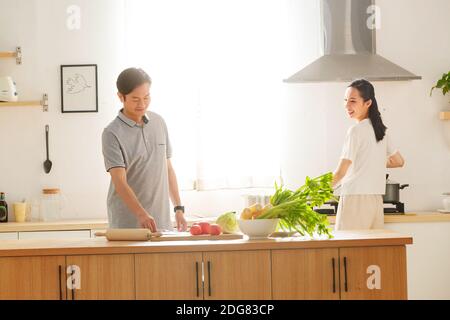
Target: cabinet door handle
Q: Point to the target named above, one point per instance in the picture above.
(73, 282)
(60, 279)
(345, 274)
(196, 279)
(209, 278)
(334, 275)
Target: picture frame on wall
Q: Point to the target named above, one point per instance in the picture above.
(79, 91)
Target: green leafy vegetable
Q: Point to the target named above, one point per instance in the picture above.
(228, 222)
(295, 208)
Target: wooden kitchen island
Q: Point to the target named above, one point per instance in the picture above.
(353, 265)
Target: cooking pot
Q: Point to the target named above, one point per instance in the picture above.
(392, 194)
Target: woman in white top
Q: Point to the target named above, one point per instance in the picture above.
(366, 154)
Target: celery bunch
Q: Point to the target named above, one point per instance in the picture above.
(295, 208)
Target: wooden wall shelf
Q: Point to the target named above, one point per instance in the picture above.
(444, 115)
(36, 103)
(13, 54)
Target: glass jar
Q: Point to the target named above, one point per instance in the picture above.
(251, 199)
(446, 202)
(51, 204)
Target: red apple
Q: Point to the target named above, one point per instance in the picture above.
(195, 230)
(205, 227)
(215, 230)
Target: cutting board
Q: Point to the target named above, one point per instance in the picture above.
(181, 236)
(146, 235)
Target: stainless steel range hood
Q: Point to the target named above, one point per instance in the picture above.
(349, 46)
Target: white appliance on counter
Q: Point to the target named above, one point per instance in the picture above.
(258, 197)
(8, 91)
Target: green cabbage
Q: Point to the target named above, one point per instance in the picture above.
(228, 222)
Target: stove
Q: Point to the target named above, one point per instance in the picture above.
(330, 208)
(394, 208)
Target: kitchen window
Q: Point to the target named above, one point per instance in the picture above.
(217, 82)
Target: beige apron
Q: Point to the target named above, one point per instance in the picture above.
(360, 212)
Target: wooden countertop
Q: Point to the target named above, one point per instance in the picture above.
(418, 217)
(411, 217)
(356, 238)
(94, 224)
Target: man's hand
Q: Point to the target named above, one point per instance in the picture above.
(147, 221)
(119, 178)
(181, 221)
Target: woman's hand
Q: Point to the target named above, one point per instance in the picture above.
(181, 221)
(341, 171)
(395, 161)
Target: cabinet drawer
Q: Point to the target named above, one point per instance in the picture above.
(8, 236)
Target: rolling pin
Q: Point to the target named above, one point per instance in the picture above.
(128, 234)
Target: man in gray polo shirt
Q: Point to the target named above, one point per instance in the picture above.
(137, 152)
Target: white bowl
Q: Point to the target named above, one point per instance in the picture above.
(258, 228)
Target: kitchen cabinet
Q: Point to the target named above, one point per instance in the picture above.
(174, 276)
(345, 273)
(26, 278)
(102, 277)
(305, 274)
(352, 265)
(237, 275)
(373, 273)
(207, 275)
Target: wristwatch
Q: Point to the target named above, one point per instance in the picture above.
(176, 208)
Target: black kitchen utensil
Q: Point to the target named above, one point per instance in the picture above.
(392, 194)
(47, 163)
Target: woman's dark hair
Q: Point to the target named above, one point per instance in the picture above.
(367, 92)
(131, 78)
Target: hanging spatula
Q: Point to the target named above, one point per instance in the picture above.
(47, 163)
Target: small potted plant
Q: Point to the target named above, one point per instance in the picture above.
(444, 85)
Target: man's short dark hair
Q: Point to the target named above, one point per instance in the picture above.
(131, 78)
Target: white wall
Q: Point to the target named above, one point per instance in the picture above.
(39, 26)
(413, 34)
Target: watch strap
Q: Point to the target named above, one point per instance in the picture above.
(176, 208)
